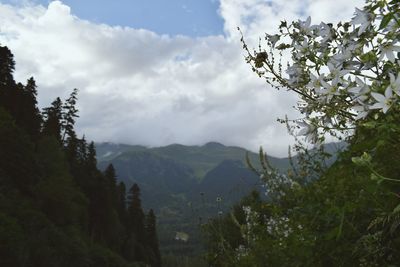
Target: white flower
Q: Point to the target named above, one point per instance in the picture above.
(336, 72)
(362, 112)
(309, 131)
(325, 32)
(394, 83)
(305, 25)
(384, 101)
(360, 89)
(387, 50)
(302, 48)
(315, 82)
(340, 58)
(329, 90)
(294, 72)
(362, 18)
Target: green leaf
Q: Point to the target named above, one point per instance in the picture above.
(340, 229)
(397, 209)
(385, 21)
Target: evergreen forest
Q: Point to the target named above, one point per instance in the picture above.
(56, 207)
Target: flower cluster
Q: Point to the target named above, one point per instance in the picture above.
(252, 220)
(345, 74)
(276, 184)
(279, 226)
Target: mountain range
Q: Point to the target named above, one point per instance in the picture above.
(182, 183)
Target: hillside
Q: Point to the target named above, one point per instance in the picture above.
(181, 183)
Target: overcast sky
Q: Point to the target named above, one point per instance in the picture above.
(157, 72)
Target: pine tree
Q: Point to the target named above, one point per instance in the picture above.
(154, 256)
(121, 204)
(135, 249)
(69, 115)
(53, 115)
(135, 211)
(7, 66)
(111, 175)
(111, 180)
(30, 117)
(9, 93)
(91, 157)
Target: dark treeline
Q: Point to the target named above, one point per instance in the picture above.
(56, 207)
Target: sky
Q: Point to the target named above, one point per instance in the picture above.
(158, 72)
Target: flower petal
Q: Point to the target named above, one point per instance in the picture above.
(378, 97)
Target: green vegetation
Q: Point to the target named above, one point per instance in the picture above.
(348, 80)
(181, 200)
(56, 207)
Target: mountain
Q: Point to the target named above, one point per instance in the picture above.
(182, 172)
(182, 183)
(230, 180)
(200, 159)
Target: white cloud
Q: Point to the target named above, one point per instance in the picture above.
(142, 88)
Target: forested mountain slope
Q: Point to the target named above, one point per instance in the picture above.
(56, 207)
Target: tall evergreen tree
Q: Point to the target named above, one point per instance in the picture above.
(135, 211)
(69, 115)
(135, 249)
(111, 180)
(91, 156)
(10, 93)
(53, 119)
(121, 203)
(30, 117)
(7, 66)
(110, 175)
(154, 256)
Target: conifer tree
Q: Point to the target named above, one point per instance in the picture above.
(69, 115)
(111, 180)
(91, 157)
(9, 93)
(31, 118)
(53, 119)
(154, 256)
(110, 175)
(135, 226)
(135, 211)
(121, 203)
(82, 150)
(7, 66)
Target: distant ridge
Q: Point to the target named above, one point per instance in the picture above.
(181, 183)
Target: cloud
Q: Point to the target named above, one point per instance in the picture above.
(139, 87)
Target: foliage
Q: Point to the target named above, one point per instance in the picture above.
(56, 207)
(347, 80)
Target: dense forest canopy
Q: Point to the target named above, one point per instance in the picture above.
(56, 207)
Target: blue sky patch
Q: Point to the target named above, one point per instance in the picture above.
(193, 18)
